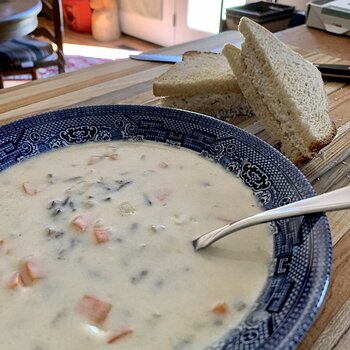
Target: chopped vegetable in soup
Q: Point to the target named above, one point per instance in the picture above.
(95, 250)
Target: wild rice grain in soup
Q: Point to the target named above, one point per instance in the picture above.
(95, 250)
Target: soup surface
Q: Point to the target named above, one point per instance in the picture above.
(95, 250)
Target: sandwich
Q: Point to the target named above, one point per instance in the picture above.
(202, 82)
(285, 91)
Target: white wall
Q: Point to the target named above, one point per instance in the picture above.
(300, 5)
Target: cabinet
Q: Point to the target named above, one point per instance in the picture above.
(169, 22)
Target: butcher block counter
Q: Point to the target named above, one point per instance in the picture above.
(130, 82)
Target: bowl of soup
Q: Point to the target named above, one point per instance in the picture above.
(99, 207)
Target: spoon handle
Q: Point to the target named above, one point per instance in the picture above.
(335, 200)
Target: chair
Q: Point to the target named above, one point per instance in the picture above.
(25, 55)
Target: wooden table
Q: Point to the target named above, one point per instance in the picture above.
(130, 82)
(18, 17)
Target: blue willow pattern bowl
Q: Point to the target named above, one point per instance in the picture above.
(301, 264)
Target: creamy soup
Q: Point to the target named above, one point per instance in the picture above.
(95, 250)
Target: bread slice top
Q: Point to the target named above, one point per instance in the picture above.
(197, 73)
(291, 87)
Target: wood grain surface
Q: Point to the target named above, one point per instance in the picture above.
(130, 82)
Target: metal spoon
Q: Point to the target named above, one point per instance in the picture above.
(335, 200)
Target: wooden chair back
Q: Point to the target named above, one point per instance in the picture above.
(51, 23)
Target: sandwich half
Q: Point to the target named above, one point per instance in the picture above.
(202, 82)
(285, 91)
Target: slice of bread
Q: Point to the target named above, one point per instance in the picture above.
(203, 82)
(284, 90)
(198, 73)
(257, 104)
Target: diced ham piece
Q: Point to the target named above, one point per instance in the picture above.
(101, 233)
(29, 189)
(163, 165)
(220, 308)
(114, 156)
(14, 280)
(162, 194)
(82, 222)
(93, 160)
(32, 269)
(93, 309)
(120, 335)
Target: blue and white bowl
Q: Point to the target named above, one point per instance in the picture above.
(302, 252)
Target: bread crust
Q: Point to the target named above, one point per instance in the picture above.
(316, 146)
